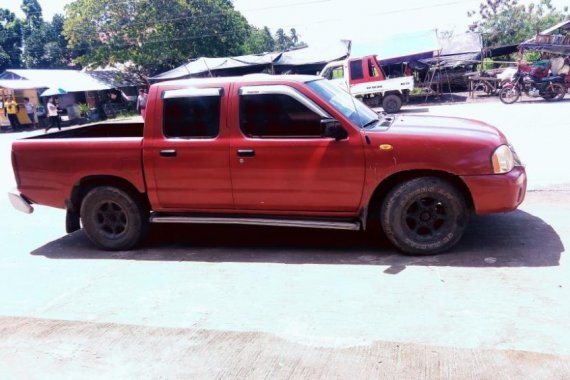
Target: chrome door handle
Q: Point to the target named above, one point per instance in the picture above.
(168, 153)
(246, 153)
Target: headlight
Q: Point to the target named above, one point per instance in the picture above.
(503, 160)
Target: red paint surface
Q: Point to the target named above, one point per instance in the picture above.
(314, 177)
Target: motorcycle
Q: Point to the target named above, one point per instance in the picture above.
(549, 88)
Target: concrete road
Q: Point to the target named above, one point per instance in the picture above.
(251, 302)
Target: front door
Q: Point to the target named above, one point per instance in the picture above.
(280, 161)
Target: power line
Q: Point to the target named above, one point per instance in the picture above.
(87, 30)
(194, 37)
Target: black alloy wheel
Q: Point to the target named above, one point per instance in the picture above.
(424, 216)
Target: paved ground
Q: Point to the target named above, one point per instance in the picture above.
(218, 302)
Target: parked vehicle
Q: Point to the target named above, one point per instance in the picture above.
(551, 88)
(294, 151)
(365, 79)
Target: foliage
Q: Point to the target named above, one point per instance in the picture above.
(33, 12)
(10, 40)
(507, 22)
(284, 42)
(84, 109)
(531, 56)
(259, 41)
(487, 64)
(150, 35)
(155, 35)
(45, 47)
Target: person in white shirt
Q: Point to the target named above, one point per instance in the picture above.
(52, 115)
(556, 64)
(30, 111)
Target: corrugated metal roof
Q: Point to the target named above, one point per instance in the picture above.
(20, 84)
(69, 80)
(298, 57)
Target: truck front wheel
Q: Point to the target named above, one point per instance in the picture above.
(112, 219)
(392, 103)
(424, 216)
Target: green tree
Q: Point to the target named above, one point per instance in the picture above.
(259, 41)
(10, 40)
(45, 47)
(284, 42)
(155, 35)
(507, 22)
(33, 12)
(44, 44)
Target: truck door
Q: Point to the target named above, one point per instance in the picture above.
(280, 160)
(364, 70)
(336, 74)
(186, 159)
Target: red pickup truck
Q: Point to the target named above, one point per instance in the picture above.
(292, 151)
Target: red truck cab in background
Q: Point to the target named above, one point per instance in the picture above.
(364, 78)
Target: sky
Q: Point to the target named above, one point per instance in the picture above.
(326, 21)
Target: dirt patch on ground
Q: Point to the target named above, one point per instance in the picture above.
(35, 348)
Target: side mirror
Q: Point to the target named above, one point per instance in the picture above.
(332, 128)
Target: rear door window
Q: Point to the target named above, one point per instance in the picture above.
(191, 117)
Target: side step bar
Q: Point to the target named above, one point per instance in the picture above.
(339, 224)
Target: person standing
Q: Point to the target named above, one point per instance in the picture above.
(11, 109)
(53, 117)
(141, 103)
(30, 111)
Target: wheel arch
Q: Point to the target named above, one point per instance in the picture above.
(86, 184)
(399, 93)
(379, 194)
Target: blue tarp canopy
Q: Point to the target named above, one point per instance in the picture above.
(399, 48)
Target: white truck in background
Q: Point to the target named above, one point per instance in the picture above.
(365, 80)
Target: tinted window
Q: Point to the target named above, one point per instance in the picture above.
(192, 117)
(356, 70)
(277, 115)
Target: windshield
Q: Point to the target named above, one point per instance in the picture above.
(343, 102)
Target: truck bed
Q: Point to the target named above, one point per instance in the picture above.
(98, 130)
(48, 166)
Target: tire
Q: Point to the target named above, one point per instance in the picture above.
(481, 88)
(112, 219)
(509, 94)
(392, 103)
(424, 216)
(557, 94)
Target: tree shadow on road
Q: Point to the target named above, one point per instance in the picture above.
(516, 239)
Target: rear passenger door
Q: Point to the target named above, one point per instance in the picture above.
(187, 157)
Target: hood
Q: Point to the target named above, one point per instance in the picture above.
(437, 126)
(453, 145)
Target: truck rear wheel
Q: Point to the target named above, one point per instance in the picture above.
(424, 216)
(392, 103)
(112, 219)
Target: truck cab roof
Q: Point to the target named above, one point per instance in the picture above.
(251, 78)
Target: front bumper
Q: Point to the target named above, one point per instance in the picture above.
(497, 192)
(19, 202)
